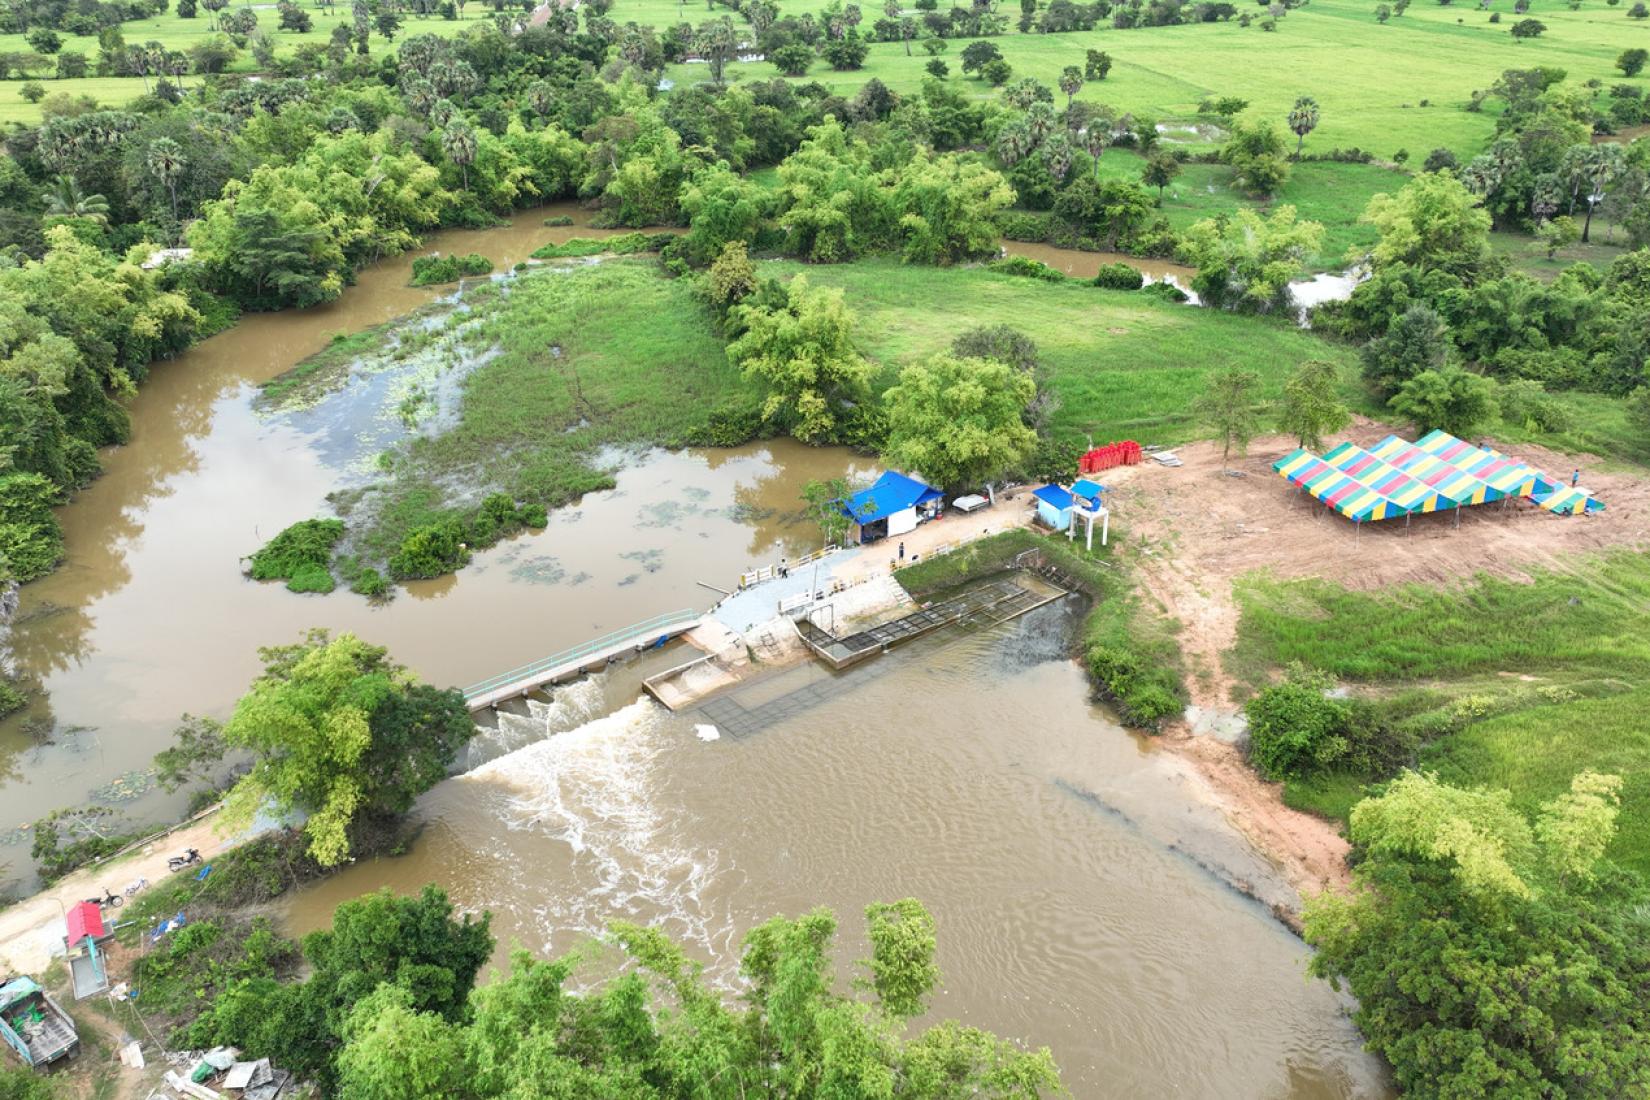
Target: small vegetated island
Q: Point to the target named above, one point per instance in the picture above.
(801, 224)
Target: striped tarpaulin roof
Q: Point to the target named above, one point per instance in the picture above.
(1568, 501)
(1341, 491)
(1492, 467)
(1450, 480)
(1386, 479)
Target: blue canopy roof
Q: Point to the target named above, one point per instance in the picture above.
(1054, 496)
(1088, 490)
(893, 492)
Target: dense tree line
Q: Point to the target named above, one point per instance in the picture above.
(389, 1008)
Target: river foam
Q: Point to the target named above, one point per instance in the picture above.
(596, 789)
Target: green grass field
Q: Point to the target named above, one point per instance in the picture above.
(1370, 79)
(1120, 363)
(1577, 632)
(1331, 193)
(180, 34)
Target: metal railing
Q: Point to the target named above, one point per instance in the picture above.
(647, 629)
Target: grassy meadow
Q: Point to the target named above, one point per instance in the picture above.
(1519, 684)
(1331, 193)
(1369, 78)
(1120, 363)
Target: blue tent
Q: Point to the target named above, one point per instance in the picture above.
(1088, 491)
(893, 492)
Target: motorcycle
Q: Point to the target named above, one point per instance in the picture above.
(188, 859)
(109, 900)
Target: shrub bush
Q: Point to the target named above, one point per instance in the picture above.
(1119, 277)
(1295, 728)
(559, 219)
(1142, 684)
(1020, 226)
(431, 551)
(369, 582)
(1030, 269)
(311, 578)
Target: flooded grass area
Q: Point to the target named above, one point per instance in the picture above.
(526, 382)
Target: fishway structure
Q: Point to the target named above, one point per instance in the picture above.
(994, 602)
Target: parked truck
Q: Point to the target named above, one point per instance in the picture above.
(33, 1025)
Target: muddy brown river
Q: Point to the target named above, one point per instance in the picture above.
(1087, 897)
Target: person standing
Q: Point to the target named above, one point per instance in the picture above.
(902, 552)
(1575, 479)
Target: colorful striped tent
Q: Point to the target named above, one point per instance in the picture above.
(1448, 480)
(1341, 491)
(1397, 478)
(1410, 494)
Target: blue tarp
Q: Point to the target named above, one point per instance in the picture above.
(1054, 496)
(893, 492)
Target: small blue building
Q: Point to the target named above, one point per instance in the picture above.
(1054, 505)
(894, 505)
(1057, 506)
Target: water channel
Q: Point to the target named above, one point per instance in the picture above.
(1087, 898)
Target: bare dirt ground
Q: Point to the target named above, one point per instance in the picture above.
(1194, 529)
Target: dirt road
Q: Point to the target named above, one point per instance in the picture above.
(1193, 530)
(31, 932)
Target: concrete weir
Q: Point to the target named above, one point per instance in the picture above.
(592, 656)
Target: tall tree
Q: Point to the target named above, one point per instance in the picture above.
(1311, 407)
(1491, 955)
(1228, 407)
(1450, 400)
(717, 43)
(1071, 82)
(1160, 171)
(959, 422)
(166, 163)
(340, 732)
(803, 351)
(1303, 119)
(65, 199)
(458, 141)
(1416, 340)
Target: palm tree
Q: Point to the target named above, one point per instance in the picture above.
(1071, 82)
(166, 163)
(1303, 119)
(541, 98)
(459, 143)
(65, 199)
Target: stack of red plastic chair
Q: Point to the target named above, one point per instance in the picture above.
(1125, 453)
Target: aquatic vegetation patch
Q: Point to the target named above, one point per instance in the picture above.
(300, 555)
(625, 244)
(431, 270)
